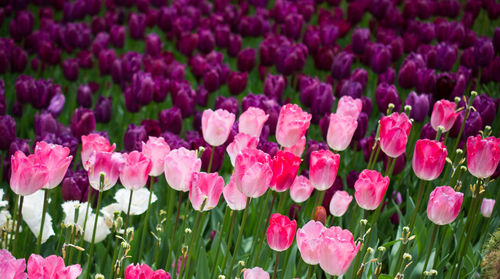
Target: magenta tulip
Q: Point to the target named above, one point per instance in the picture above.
(483, 155)
(429, 158)
(323, 168)
(285, 166)
(370, 189)
(280, 232)
(394, 132)
(444, 205)
(443, 115)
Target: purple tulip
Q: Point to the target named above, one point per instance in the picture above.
(269, 147)
(446, 56)
(380, 57)
(75, 186)
(218, 158)
(420, 106)
(341, 66)
(106, 59)
(133, 138)
(246, 60)
(389, 76)
(274, 86)
(351, 178)
(117, 35)
(84, 96)
(237, 82)
(8, 131)
(211, 80)
(351, 88)
(152, 127)
(408, 74)
(171, 120)
(228, 103)
(136, 26)
(360, 131)
(292, 26)
(486, 107)
(206, 41)
(234, 45)
(21, 25)
(322, 102)
(360, 38)
(83, 122)
(45, 123)
(103, 109)
(221, 35)
(386, 94)
(153, 44)
(187, 43)
(184, 99)
(484, 51)
(142, 86)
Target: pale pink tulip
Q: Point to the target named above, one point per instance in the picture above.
(253, 172)
(444, 205)
(57, 160)
(28, 174)
(340, 203)
(216, 126)
(10, 267)
(94, 143)
(348, 106)
(429, 158)
(135, 172)
(52, 267)
(234, 198)
(298, 148)
(394, 133)
(108, 163)
(241, 141)
(337, 250)
(205, 187)
(323, 168)
(156, 149)
(309, 239)
(443, 115)
(370, 189)
(483, 156)
(180, 164)
(301, 189)
(292, 125)
(340, 131)
(251, 121)
(487, 207)
(280, 232)
(255, 273)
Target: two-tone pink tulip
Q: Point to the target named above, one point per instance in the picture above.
(216, 126)
(108, 164)
(135, 172)
(443, 115)
(309, 239)
(370, 189)
(323, 168)
(180, 164)
(444, 205)
(252, 121)
(340, 131)
(253, 172)
(156, 149)
(394, 133)
(337, 250)
(292, 125)
(93, 143)
(340, 203)
(28, 174)
(301, 189)
(205, 190)
(241, 141)
(57, 160)
(428, 159)
(280, 232)
(483, 156)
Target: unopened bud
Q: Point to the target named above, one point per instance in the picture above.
(407, 256)
(221, 277)
(320, 214)
(187, 231)
(363, 222)
(99, 276)
(390, 108)
(242, 263)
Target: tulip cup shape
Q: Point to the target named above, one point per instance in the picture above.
(293, 123)
(216, 126)
(483, 155)
(443, 115)
(255, 273)
(349, 106)
(340, 131)
(12, 267)
(487, 207)
(57, 160)
(280, 232)
(94, 143)
(234, 198)
(51, 267)
(285, 167)
(301, 189)
(144, 271)
(309, 239)
(323, 168)
(135, 172)
(429, 158)
(253, 172)
(340, 203)
(28, 174)
(180, 164)
(251, 121)
(156, 149)
(444, 205)
(298, 148)
(241, 141)
(370, 189)
(394, 132)
(337, 250)
(205, 188)
(108, 163)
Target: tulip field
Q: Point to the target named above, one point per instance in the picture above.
(250, 139)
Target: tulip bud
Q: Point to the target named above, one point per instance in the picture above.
(103, 109)
(84, 96)
(237, 82)
(234, 47)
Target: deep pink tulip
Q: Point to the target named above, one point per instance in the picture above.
(10, 267)
(143, 271)
(487, 207)
(349, 106)
(255, 273)
(135, 172)
(180, 164)
(298, 148)
(216, 126)
(309, 239)
(443, 115)
(483, 155)
(370, 189)
(285, 167)
(28, 174)
(429, 158)
(280, 232)
(253, 172)
(301, 189)
(323, 168)
(251, 121)
(108, 163)
(94, 143)
(205, 186)
(234, 198)
(52, 267)
(156, 149)
(394, 132)
(444, 205)
(340, 203)
(292, 125)
(57, 160)
(241, 141)
(340, 131)
(337, 250)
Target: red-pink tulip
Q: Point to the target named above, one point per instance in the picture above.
(339, 203)
(487, 207)
(309, 239)
(292, 125)
(94, 143)
(370, 189)
(443, 115)
(156, 149)
(241, 141)
(285, 167)
(108, 163)
(253, 172)
(143, 271)
(323, 168)
(483, 155)
(280, 232)
(298, 148)
(251, 121)
(337, 250)
(349, 107)
(429, 158)
(301, 189)
(444, 205)
(216, 126)
(180, 164)
(135, 172)
(340, 131)
(234, 198)
(56, 158)
(10, 267)
(394, 132)
(255, 273)
(205, 187)
(51, 267)
(28, 174)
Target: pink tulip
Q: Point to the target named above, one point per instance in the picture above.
(340, 131)
(487, 207)
(370, 189)
(349, 107)
(56, 158)
(241, 141)
(483, 155)
(298, 148)
(251, 121)
(394, 132)
(309, 239)
(444, 205)
(135, 172)
(94, 143)
(285, 167)
(429, 158)
(280, 232)
(180, 164)
(143, 271)
(234, 198)
(156, 149)
(108, 163)
(10, 267)
(292, 125)
(253, 172)
(205, 187)
(28, 174)
(255, 273)
(340, 203)
(216, 126)
(52, 267)
(443, 115)
(323, 168)
(301, 189)
(337, 250)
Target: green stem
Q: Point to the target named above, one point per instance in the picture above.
(196, 244)
(320, 195)
(309, 271)
(194, 237)
(18, 221)
(434, 232)
(170, 251)
(14, 217)
(89, 200)
(128, 209)
(276, 265)
(146, 219)
(44, 210)
(256, 255)
(91, 249)
(210, 161)
(375, 158)
(220, 234)
(238, 240)
(229, 242)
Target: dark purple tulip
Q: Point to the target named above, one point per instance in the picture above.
(228, 103)
(234, 45)
(44, 124)
(17, 109)
(351, 88)
(389, 76)
(19, 60)
(322, 102)
(8, 131)
(221, 35)
(269, 147)
(426, 81)
(419, 106)
(446, 56)
(117, 35)
(75, 186)
(380, 58)
(486, 107)
(70, 69)
(408, 74)
(290, 59)
(360, 38)
(82, 123)
(293, 211)
(142, 86)
(324, 57)
(367, 105)
(341, 66)
(185, 100)
(187, 43)
(386, 94)
(399, 165)
(136, 26)
(85, 60)
(103, 109)
(106, 59)
(428, 132)
(3, 105)
(338, 185)
(237, 82)
(473, 125)
(246, 60)
(351, 178)
(308, 89)
(274, 86)
(174, 141)
(313, 145)
(217, 160)
(202, 95)
(496, 40)
(360, 75)
(329, 34)
(312, 38)
(426, 32)
(292, 27)
(252, 100)
(19, 145)
(84, 96)
(362, 126)
(171, 120)
(152, 127)
(133, 138)
(56, 104)
(211, 80)
(153, 44)
(22, 25)
(324, 123)
(484, 51)
(206, 41)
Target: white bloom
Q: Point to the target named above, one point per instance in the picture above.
(32, 215)
(4, 216)
(139, 200)
(109, 213)
(101, 232)
(2, 202)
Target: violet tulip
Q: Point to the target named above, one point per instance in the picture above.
(309, 240)
(340, 131)
(301, 189)
(253, 172)
(280, 232)
(180, 164)
(429, 158)
(443, 115)
(483, 155)
(156, 149)
(444, 205)
(323, 168)
(370, 189)
(394, 133)
(292, 125)
(135, 172)
(205, 190)
(337, 250)
(340, 203)
(285, 167)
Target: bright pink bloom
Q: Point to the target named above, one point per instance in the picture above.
(205, 186)
(108, 163)
(241, 141)
(309, 239)
(52, 267)
(180, 164)
(444, 205)
(253, 172)
(10, 267)
(143, 271)
(394, 132)
(487, 207)
(323, 168)
(301, 189)
(135, 172)
(337, 250)
(444, 115)
(280, 232)
(370, 189)
(429, 158)
(251, 121)
(349, 107)
(156, 149)
(255, 273)
(483, 156)
(216, 126)
(285, 167)
(94, 143)
(28, 174)
(56, 158)
(298, 148)
(340, 131)
(340, 203)
(234, 198)
(292, 125)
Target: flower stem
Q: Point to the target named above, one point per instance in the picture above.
(146, 220)
(91, 249)
(128, 209)
(434, 232)
(44, 210)
(219, 240)
(320, 195)
(309, 271)
(229, 240)
(211, 160)
(18, 221)
(174, 230)
(191, 248)
(276, 264)
(89, 200)
(238, 240)
(261, 240)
